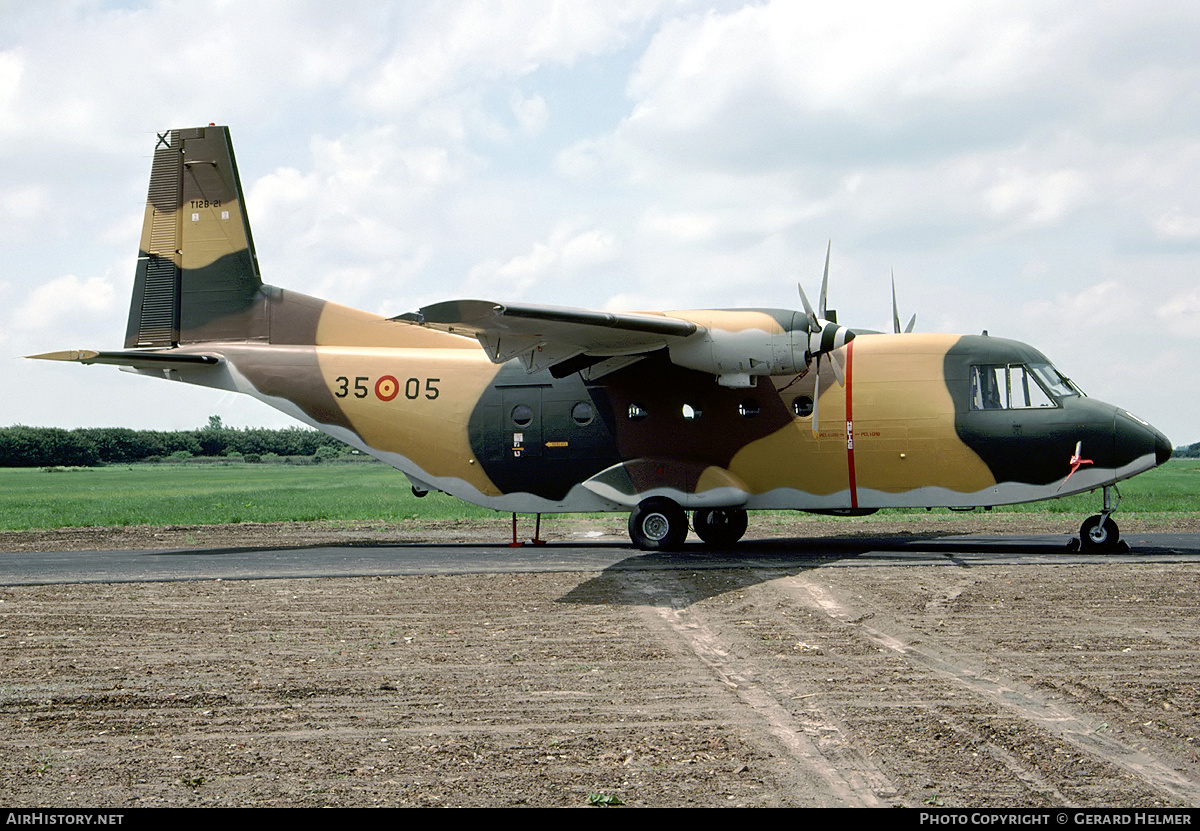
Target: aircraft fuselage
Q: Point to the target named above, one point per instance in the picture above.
(903, 431)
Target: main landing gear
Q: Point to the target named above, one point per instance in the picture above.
(719, 527)
(660, 524)
(1099, 534)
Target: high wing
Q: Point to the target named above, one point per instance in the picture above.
(735, 345)
(563, 339)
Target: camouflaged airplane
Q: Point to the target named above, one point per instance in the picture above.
(541, 409)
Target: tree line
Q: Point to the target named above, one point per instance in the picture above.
(1187, 451)
(22, 446)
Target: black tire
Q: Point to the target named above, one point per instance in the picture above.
(1099, 535)
(658, 524)
(720, 527)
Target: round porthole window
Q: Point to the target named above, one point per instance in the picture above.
(802, 406)
(748, 409)
(583, 413)
(521, 415)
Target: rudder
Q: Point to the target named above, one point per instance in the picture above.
(197, 275)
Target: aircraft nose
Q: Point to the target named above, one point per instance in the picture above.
(1162, 447)
(1137, 439)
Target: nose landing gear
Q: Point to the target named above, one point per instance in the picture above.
(1099, 534)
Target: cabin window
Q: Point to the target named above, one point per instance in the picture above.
(748, 409)
(691, 412)
(802, 406)
(521, 415)
(583, 413)
(1008, 387)
(637, 412)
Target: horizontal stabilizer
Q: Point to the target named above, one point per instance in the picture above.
(146, 360)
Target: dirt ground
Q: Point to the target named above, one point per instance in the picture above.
(996, 686)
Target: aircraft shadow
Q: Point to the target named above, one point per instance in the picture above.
(697, 566)
(759, 561)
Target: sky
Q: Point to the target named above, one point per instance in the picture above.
(1028, 168)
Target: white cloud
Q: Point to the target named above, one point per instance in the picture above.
(583, 160)
(570, 250)
(531, 114)
(1175, 225)
(1181, 314)
(22, 203)
(679, 225)
(877, 77)
(444, 49)
(62, 299)
(11, 67)
(1040, 198)
(1110, 306)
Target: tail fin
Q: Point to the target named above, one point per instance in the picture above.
(197, 273)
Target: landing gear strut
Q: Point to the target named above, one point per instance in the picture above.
(1099, 534)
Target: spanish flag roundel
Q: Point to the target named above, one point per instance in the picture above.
(386, 388)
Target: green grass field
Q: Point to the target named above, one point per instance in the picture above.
(210, 494)
(195, 494)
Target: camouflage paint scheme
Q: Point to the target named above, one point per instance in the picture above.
(573, 410)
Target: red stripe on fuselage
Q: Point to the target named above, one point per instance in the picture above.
(850, 424)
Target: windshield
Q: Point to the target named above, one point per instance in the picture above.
(1054, 381)
(1017, 386)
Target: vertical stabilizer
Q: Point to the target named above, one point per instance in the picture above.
(197, 274)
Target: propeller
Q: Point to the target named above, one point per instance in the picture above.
(824, 336)
(896, 311)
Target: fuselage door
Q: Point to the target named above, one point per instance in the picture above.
(520, 428)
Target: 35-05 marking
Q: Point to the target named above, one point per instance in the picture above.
(386, 387)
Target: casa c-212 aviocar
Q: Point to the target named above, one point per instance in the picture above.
(544, 409)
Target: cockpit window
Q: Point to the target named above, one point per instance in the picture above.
(1024, 391)
(1054, 381)
(989, 387)
(1017, 387)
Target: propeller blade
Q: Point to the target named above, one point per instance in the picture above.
(839, 371)
(895, 308)
(912, 321)
(816, 394)
(808, 310)
(825, 281)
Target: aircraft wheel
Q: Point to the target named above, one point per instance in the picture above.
(720, 526)
(1099, 535)
(658, 524)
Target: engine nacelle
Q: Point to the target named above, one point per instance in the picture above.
(737, 356)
